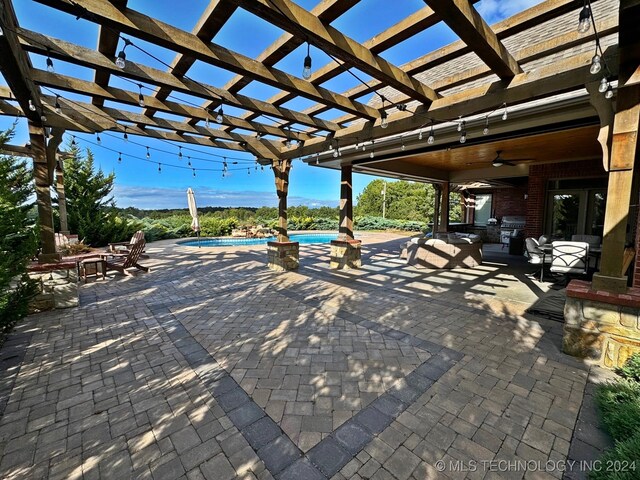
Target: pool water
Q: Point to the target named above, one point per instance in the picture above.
(303, 238)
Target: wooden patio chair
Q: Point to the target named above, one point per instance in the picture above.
(123, 262)
(124, 247)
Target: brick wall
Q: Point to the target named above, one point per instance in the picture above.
(539, 176)
(509, 201)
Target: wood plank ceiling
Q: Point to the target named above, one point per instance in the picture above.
(265, 127)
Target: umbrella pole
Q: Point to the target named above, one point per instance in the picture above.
(198, 235)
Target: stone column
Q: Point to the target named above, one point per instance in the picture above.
(42, 174)
(62, 202)
(621, 164)
(345, 229)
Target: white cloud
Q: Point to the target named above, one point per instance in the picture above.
(496, 10)
(158, 198)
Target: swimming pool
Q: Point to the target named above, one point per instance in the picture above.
(303, 238)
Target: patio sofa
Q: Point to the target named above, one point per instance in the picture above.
(446, 250)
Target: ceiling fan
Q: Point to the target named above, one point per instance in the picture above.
(499, 161)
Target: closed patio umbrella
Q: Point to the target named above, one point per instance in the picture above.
(195, 223)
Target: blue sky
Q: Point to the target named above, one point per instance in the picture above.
(138, 182)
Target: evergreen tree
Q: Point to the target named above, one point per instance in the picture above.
(91, 210)
(18, 238)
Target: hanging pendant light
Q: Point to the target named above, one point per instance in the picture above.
(306, 69)
(584, 20)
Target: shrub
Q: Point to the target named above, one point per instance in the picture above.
(217, 227)
(631, 369)
(620, 406)
(325, 224)
(625, 453)
(76, 248)
(379, 223)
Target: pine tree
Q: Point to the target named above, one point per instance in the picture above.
(91, 211)
(18, 238)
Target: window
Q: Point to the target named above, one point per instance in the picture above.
(482, 209)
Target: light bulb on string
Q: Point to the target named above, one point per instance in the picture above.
(460, 123)
(403, 146)
(121, 59)
(596, 64)
(189, 161)
(206, 120)
(420, 135)
(505, 114)
(194, 172)
(485, 130)
(604, 85)
(220, 115)
(159, 168)
(432, 137)
(148, 153)
(57, 105)
(119, 157)
(98, 139)
(384, 122)
(43, 118)
(50, 67)
(609, 93)
(180, 153)
(584, 20)
(463, 136)
(32, 107)
(317, 159)
(140, 96)
(306, 66)
(73, 141)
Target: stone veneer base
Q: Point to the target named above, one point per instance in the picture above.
(283, 256)
(345, 254)
(601, 326)
(58, 286)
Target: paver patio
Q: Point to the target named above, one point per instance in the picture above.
(212, 366)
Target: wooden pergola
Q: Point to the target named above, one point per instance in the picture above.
(401, 102)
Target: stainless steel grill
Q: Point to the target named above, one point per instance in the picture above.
(511, 226)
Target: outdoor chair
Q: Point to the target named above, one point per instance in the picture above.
(124, 247)
(594, 241)
(123, 262)
(536, 256)
(570, 257)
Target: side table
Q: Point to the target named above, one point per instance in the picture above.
(92, 266)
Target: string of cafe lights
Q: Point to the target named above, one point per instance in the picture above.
(123, 156)
(585, 21)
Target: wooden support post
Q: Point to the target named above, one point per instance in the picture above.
(436, 208)
(62, 202)
(281, 171)
(41, 174)
(623, 150)
(444, 207)
(345, 229)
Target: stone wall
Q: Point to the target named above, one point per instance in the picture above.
(601, 326)
(58, 288)
(345, 254)
(283, 256)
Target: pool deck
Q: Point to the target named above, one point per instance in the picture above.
(212, 366)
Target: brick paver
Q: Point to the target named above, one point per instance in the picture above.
(212, 366)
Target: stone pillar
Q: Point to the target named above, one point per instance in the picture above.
(345, 254)
(282, 255)
(444, 208)
(62, 203)
(42, 174)
(621, 163)
(345, 229)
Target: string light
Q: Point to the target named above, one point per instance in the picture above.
(460, 123)
(206, 120)
(463, 132)
(306, 70)
(43, 118)
(220, 115)
(73, 141)
(57, 106)
(121, 59)
(584, 20)
(432, 137)
(159, 168)
(384, 122)
(179, 152)
(125, 137)
(98, 139)
(505, 114)
(119, 157)
(194, 172)
(373, 149)
(609, 93)
(596, 64)
(189, 161)
(32, 107)
(485, 130)
(49, 62)
(420, 135)
(403, 145)
(148, 153)
(140, 96)
(604, 85)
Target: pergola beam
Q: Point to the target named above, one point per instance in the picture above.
(467, 23)
(69, 52)
(298, 21)
(152, 30)
(127, 97)
(107, 44)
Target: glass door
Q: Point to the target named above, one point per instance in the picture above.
(565, 218)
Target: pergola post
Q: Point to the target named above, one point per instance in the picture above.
(345, 251)
(621, 164)
(444, 207)
(436, 208)
(62, 202)
(42, 175)
(282, 254)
